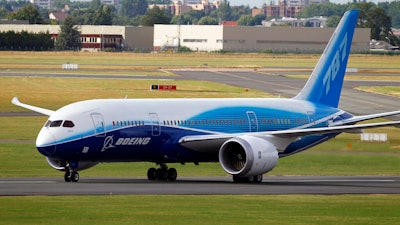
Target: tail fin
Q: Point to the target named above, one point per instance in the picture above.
(325, 83)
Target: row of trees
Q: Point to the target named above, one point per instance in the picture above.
(12, 40)
(377, 17)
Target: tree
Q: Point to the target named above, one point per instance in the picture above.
(28, 12)
(181, 19)
(238, 11)
(155, 16)
(375, 18)
(207, 20)
(324, 9)
(224, 11)
(259, 18)
(132, 8)
(394, 12)
(103, 16)
(332, 21)
(69, 36)
(246, 20)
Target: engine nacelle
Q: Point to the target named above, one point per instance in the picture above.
(60, 164)
(246, 156)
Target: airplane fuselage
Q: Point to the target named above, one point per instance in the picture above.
(150, 129)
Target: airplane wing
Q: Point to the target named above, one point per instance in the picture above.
(48, 112)
(357, 119)
(207, 143)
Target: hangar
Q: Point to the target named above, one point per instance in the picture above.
(251, 39)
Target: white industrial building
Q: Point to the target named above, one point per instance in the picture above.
(250, 39)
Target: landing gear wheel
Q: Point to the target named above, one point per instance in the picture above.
(74, 176)
(258, 179)
(172, 174)
(162, 174)
(67, 176)
(252, 179)
(152, 174)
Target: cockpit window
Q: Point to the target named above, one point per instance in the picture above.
(47, 123)
(56, 123)
(68, 123)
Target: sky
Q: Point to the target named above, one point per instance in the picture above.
(259, 3)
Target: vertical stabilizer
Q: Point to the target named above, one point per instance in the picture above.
(325, 83)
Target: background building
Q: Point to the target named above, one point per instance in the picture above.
(201, 37)
(98, 38)
(251, 39)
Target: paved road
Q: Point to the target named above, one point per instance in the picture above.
(201, 185)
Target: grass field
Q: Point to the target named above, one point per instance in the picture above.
(213, 209)
(138, 61)
(345, 155)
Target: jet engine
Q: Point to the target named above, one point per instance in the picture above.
(60, 164)
(246, 156)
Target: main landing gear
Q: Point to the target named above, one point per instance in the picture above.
(253, 179)
(162, 173)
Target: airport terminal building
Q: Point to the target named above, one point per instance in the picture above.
(206, 38)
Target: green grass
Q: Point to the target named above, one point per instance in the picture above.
(107, 60)
(53, 93)
(214, 209)
(385, 90)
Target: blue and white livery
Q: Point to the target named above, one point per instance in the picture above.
(246, 136)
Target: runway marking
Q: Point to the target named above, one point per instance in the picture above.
(250, 79)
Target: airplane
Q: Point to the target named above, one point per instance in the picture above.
(246, 136)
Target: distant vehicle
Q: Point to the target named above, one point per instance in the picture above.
(246, 136)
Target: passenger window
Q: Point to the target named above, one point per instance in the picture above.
(56, 123)
(68, 123)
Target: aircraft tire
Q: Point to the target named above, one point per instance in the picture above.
(258, 179)
(162, 174)
(67, 176)
(74, 176)
(172, 174)
(152, 174)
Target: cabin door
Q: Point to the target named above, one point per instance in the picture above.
(155, 124)
(99, 125)
(253, 124)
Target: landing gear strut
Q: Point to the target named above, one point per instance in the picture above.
(162, 173)
(252, 179)
(71, 173)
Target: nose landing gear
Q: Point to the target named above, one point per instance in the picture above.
(162, 173)
(71, 176)
(71, 173)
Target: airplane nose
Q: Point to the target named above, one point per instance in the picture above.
(45, 142)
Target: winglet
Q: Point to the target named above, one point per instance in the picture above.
(48, 112)
(325, 83)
